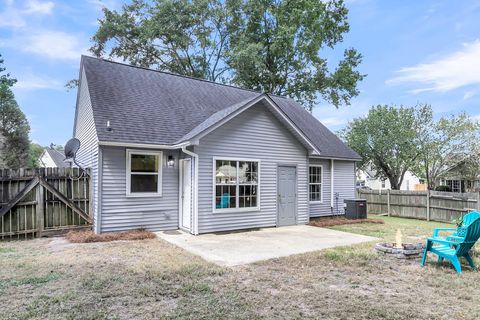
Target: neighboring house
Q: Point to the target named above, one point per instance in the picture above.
(457, 181)
(367, 178)
(52, 158)
(169, 151)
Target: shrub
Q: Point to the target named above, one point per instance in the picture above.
(443, 188)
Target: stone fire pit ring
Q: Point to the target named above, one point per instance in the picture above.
(408, 250)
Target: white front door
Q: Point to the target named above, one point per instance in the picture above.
(186, 194)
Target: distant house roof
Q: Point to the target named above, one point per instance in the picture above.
(154, 107)
(57, 157)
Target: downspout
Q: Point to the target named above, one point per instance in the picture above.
(195, 194)
(98, 221)
(332, 182)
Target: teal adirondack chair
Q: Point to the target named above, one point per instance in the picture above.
(224, 201)
(466, 221)
(456, 245)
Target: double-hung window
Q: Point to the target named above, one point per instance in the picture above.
(144, 173)
(315, 181)
(236, 184)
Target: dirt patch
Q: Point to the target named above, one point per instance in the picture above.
(89, 236)
(329, 222)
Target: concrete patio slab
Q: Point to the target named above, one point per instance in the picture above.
(237, 248)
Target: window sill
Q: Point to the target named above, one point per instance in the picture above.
(143, 195)
(316, 202)
(234, 210)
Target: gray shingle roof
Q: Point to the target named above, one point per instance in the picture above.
(153, 107)
(57, 158)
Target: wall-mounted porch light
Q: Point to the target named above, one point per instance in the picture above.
(170, 161)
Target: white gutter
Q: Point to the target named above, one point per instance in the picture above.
(334, 158)
(195, 194)
(332, 179)
(143, 145)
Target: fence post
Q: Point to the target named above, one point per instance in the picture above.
(388, 202)
(478, 201)
(428, 204)
(39, 212)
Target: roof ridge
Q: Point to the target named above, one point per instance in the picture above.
(184, 76)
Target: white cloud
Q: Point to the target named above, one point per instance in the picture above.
(50, 44)
(30, 81)
(16, 17)
(457, 70)
(469, 94)
(38, 7)
(336, 119)
(100, 4)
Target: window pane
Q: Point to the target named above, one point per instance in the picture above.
(248, 196)
(315, 192)
(315, 174)
(248, 172)
(226, 171)
(144, 163)
(225, 196)
(143, 183)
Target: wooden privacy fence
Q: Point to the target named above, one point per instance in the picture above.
(43, 202)
(427, 205)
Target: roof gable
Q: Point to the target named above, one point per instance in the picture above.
(57, 157)
(224, 115)
(151, 107)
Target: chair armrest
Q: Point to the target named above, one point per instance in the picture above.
(455, 239)
(442, 241)
(437, 230)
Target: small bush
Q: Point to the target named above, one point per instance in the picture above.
(443, 188)
(90, 236)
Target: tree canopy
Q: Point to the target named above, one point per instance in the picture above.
(449, 143)
(14, 127)
(273, 46)
(277, 47)
(386, 139)
(393, 140)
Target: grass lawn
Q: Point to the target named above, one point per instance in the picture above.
(53, 279)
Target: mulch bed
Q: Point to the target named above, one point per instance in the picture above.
(328, 222)
(90, 236)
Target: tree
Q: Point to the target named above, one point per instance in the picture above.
(448, 143)
(183, 36)
(35, 152)
(278, 47)
(5, 79)
(14, 128)
(386, 139)
(270, 46)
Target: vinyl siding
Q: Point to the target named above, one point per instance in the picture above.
(119, 212)
(254, 134)
(85, 131)
(322, 209)
(344, 185)
(344, 181)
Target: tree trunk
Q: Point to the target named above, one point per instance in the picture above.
(394, 185)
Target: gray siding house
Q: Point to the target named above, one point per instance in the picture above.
(173, 152)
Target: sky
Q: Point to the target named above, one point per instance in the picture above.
(413, 52)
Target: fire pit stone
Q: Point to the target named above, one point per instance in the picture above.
(407, 251)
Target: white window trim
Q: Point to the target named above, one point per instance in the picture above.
(129, 153)
(226, 210)
(321, 184)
